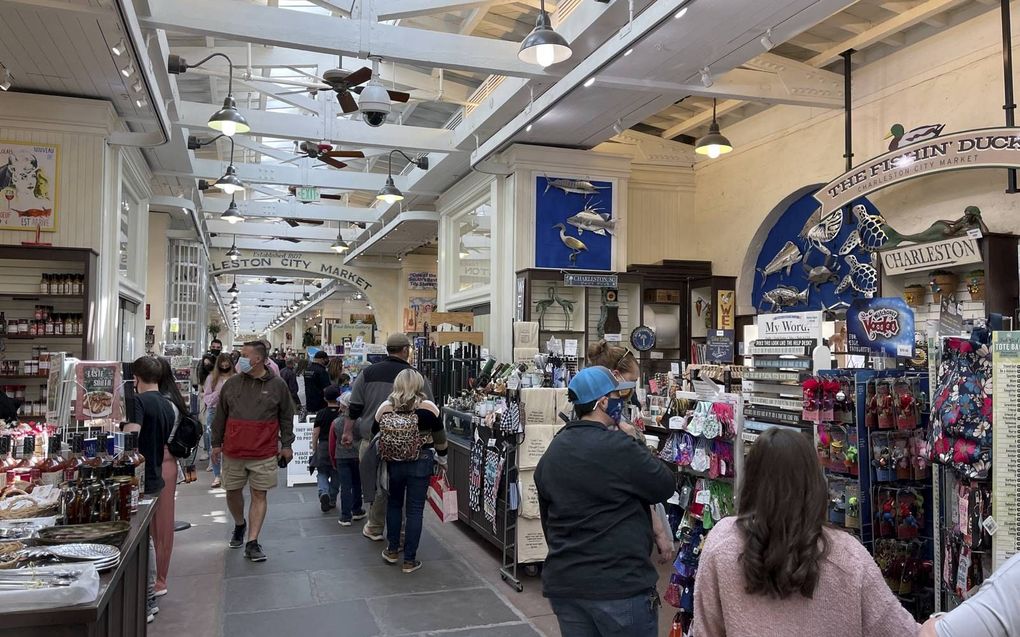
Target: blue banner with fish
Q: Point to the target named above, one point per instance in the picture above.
(814, 262)
(574, 223)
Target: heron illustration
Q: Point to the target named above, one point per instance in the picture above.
(575, 245)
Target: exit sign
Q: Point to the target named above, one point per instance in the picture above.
(307, 193)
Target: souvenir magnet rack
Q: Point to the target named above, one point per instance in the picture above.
(510, 441)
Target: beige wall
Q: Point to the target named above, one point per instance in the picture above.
(953, 78)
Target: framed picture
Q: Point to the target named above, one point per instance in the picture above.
(28, 185)
(574, 223)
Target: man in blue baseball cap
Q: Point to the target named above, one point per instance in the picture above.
(595, 486)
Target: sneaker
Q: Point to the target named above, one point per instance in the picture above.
(209, 467)
(253, 551)
(160, 593)
(344, 522)
(375, 537)
(391, 557)
(410, 567)
(237, 538)
(324, 502)
(215, 484)
(151, 610)
(359, 515)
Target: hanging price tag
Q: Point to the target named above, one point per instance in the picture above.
(704, 496)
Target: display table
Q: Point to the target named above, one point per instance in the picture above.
(118, 610)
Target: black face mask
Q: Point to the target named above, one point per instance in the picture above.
(208, 366)
(225, 369)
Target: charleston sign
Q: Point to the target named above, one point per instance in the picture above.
(931, 256)
(313, 265)
(980, 148)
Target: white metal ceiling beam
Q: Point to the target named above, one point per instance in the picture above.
(396, 9)
(195, 115)
(276, 153)
(224, 241)
(340, 7)
(883, 30)
(278, 230)
(288, 175)
(412, 215)
(701, 119)
(296, 30)
(293, 209)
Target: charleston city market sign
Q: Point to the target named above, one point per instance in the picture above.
(312, 265)
(980, 148)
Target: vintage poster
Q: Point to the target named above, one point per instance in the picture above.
(98, 383)
(28, 183)
(414, 314)
(421, 280)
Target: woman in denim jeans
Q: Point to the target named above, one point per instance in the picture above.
(211, 398)
(408, 479)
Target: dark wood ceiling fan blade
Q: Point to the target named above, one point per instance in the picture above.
(334, 196)
(293, 223)
(363, 74)
(399, 96)
(347, 103)
(329, 161)
(290, 239)
(354, 154)
(312, 222)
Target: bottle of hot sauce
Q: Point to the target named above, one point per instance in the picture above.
(51, 470)
(130, 458)
(28, 458)
(101, 456)
(76, 460)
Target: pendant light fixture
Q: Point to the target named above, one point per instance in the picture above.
(340, 246)
(233, 253)
(389, 192)
(544, 46)
(229, 183)
(228, 120)
(232, 214)
(714, 143)
(233, 287)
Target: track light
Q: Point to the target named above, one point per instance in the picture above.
(628, 52)
(389, 192)
(228, 120)
(6, 78)
(232, 214)
(680, 13)
(766, 40)
(713, 144)
(544, 46)
(128, 70)
(120, 48)
(706, 77)
(618, 127)
(138, 87)
(589, 82)
(527, 129)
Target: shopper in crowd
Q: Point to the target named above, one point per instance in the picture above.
(595, 487)
(235, 356)
(407, 408)
(205, 367)
(289, 376)
(154, 419)
(343, 381)
(216, 347)
(316, 380)
(280, 358)
(211, 397)
(778, 564)
(269, 364)
(370, 390)
(253, 430)
(345, 459)
(335, 368)
(320, 457)
(625, 368)
(993, 611)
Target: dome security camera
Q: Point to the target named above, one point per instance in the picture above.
(374, 104)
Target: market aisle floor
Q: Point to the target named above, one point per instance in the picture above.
(322, 579)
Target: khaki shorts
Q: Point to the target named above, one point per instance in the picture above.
(237, 472)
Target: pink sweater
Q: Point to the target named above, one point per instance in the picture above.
(851, 600)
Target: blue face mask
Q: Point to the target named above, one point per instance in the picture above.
(615, 409)
(244, 364)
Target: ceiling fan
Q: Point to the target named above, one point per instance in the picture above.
(343, 83)
(324, 152)
(288, 239)
(275, 281)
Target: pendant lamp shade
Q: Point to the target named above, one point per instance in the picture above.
(714, 143)
(229, 182)
(544, 46)
(228, 120)
(232, 214)
(389, 192)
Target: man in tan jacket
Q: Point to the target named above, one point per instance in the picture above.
(253, 431)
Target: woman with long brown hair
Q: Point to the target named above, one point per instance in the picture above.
(777, 569)
(211, 397)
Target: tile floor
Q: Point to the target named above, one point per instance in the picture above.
(322, 579)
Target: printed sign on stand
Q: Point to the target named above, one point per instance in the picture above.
(98, 384)
(720, 346)
(790, 324)
(950, 319)
(884, 326)
(1005, 446)
(297, 470)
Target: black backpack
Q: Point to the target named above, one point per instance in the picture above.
(186, 434)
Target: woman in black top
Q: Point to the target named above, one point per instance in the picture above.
(410, 479)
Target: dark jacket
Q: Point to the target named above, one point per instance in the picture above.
(316, 380)
(594, 491)
(252, 415)
(371, 389)
(289, 376)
